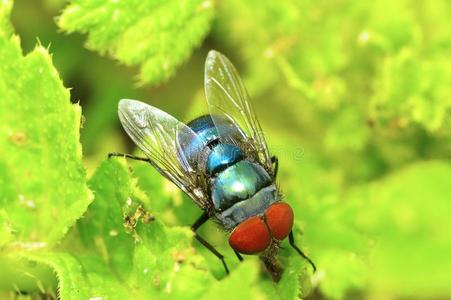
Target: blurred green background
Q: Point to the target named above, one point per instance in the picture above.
(354, 97)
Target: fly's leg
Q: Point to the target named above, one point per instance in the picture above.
(275, 161)
(292, 243)
(238, 255)
(202, 219)
(212, 250)
(128, 156)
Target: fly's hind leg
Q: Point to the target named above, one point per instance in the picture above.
(129, 156)
(202, 219)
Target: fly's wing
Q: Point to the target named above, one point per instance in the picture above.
(157, 134)
(227, 98)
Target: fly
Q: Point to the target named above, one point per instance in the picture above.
(222, 162)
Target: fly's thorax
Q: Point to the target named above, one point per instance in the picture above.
(196, 149)
(221, 157)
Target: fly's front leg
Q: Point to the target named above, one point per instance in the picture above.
(293, 244)
(238, 255)
(128, 156)
(202, 219)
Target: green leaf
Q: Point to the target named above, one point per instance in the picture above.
(142, 257)
(404, 215)
(294, 274)
(43, 181)
(241, 284)
(348, 131)
(413, 88)
(159, 35)
(6, 233)
(102, 227)
(118, 257)
(22, 274)
(71, 277)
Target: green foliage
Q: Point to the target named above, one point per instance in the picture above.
(392, 66)
(403, 214)
(158, 35)
(137, 258)
(326, 220)
(5, 25)
(42, 177)
(354, 98)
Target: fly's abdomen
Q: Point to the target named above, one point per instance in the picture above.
(238, 182)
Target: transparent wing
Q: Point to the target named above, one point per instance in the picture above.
(157, 134)
(227, 98)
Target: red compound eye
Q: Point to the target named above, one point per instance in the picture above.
(251, 236)
(279, 217)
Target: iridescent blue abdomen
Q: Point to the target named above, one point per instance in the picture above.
(237, 183)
